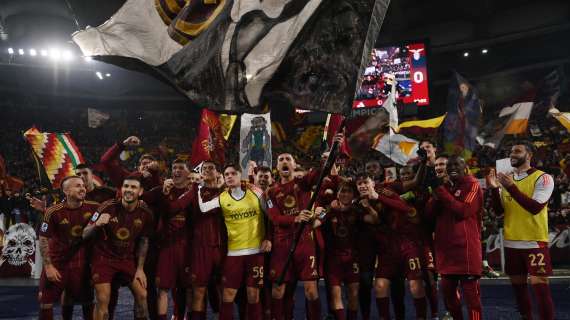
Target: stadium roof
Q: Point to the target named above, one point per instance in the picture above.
(518, 34)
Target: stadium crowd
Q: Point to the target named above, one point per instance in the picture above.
(154, 265)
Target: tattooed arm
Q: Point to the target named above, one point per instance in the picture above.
(51, 272)
(142, 250)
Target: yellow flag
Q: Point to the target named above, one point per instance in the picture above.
(227, 121)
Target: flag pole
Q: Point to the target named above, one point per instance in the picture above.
(333, 153)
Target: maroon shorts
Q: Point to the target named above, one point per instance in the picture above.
(118, 271)
(243, 269)
(74, 281)
(404, 258)
(303, 267)
(534, 262)
(428, 261)
(207, 264)
(341, 269)
(173, 268)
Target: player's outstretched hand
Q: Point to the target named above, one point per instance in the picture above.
(132, 141)
(266, 246)
(167, 186)
(36, 203)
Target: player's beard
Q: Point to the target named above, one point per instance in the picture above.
(517, 162)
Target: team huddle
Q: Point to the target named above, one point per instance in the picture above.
(222, 236)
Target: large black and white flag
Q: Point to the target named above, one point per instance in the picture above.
(236, 55)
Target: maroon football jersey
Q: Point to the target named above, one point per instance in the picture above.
(341, 231)
(174, 226)
(63, 227)
(119, 237)
(286, 201)
(207, 227)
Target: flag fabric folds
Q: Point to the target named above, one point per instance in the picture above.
(278, 132)
(228, 55)
(519, 114)
(227, 121)
(426, 123)
(331, 128)
(56, 154)
(460, 127)
(255, 140)
(96, 118)
(397, 147)
(562, 117)
(209, 143)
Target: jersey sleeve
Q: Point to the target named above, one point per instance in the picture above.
(466, 205)
(49, 223)
(543, 188)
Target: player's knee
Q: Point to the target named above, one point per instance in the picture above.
(538, 280)
(252, 295)
(141, 295)
(382, 288)
(311, 290)
(46, 306)
(198, 293)
(417, 288)
(277, 292)
(103, 299)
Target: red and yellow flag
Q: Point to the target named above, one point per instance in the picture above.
(55, 152)
(209, 143)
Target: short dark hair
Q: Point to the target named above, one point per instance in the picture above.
(147, 156)
(348, 185)
(527, 144)
(232, 165)
(180, 161)
(442, 155)
(430, 141)
(135, 177)
(216, 165)
(264, 169)
(362, 176)
(83, 166)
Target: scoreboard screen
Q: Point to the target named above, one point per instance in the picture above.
(406, 63)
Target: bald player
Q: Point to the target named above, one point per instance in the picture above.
(64, 253)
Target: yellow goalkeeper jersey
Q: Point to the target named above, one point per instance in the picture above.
(521, 225)
(245, 222)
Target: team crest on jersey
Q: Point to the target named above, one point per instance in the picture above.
(289, 201)
(44, 227)
(95, 216)
(87, 215)
(76, 231)
(137, 222)
(64, 221)
(457, 193)
(122, 234)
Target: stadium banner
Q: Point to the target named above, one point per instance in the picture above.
(255, 140)
(228, 55)
(18, 247)
(559, 245)
(56, 154)
(461, 126)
